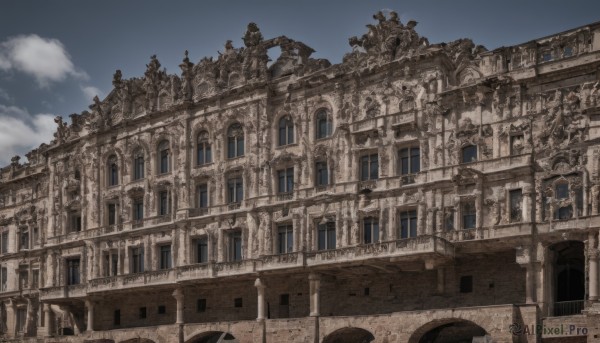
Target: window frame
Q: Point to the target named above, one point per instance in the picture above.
(235, 189)
(73, 266)
(165, 258)
(164, 157)
(285, 131)
(369, 167)
(330, 240)
(408, 223)
(203, 145)
(235, 141)
(468, 214)
(406, 164)
(465, 149)
(285, 178)
(371, 230)
(236, 246)
(319, 174)
(139, 164)
(323, 117)
(285, 231)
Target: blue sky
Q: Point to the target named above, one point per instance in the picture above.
(55, 55)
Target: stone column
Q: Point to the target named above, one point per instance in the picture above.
(315, 290)
(89, 304)
(11, 322)
(527, 205)
(48, 320)
(178, 295)
(260, 288)
(593, 267)
(524, 259)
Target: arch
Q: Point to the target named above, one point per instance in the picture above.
(213, 337)
(349, 335)
(450, 330)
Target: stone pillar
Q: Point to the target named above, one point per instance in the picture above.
(525, 260)
(11, 322)
(48, 320)
(89, 304)
(260, 288)
(593, 267)
(315, 290)
(178, 295)
(527, 205)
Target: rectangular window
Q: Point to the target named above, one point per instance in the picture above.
(142, 312)
(201, 305)
(369, 167)
(112, 214)
(466, 284)
(117, 317)
(4, 238)
(371, 230)
(163, 203)
(139, 168)
(469, 154)
(469, 214)
(75, 221)
(202, 194)
(322, 174)
(516, 144)
(235, 190)
(23, 278)
(409, 161)
(201, 250)
(286, 180)
(137, 260)
(237, 302)
(73, 275)
(204, 153)
(24, 239)
(448, 219)
(3, 278)
(35, 278)
(21, 319)
(408, 224)
(326, 236)
(285, 239)
(516, 200)
(162, 309)
(164, 161)
(138, 209)
(165, 257)
(236, 246)
(114, 265)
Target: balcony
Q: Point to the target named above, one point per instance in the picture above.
(163, 218)
(63, 292)
(367, 185)
(282, 261)
(137, 223)
(198, 212)
(568, 308)
(285, 196)
(232, 206)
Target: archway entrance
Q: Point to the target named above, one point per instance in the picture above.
(349, 335)
(569, 278)
(450, 331)
(214, 337)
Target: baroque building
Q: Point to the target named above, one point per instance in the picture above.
(415, 193)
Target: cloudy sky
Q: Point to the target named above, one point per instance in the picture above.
(56, 55)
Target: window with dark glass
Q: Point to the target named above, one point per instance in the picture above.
(163, 203)
(469, 214)
(286, 180)
(448, 219)
(23, 278)
(236, 246)
(369, 167)
(409, 161)
(112, 214)
(201, 305)
(21, 320)
(235, 190)
(201, 250)
(138, 165)
(561, 191)
(73, 275)
(165, 257)
(114, 265)
(235, 141)
(202, 193)
(370, 230)
(143, 313)
(466, 284)
(285, 239)
(163, 157)
(4, 238)
(237, 302)
(24, 239)
(516, 144)
(113, 171)
(286, 131)
(162, 309)
(469, 154)
(138, 209)
(322, 174)
(203, 148)
(326, 236)
(137, 260)
(408, 224)
(516, 209)
(35, 278)
(117, 317)
(324, 124)
(3, 278)
(75, 221)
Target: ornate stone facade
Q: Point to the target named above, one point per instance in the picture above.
(415, 192)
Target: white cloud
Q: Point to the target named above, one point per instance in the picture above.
(91, 91)
(21, 132)
(45, 59)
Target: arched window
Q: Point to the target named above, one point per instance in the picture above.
(204, 152)
(138, 164)
(235, 141)
(163, 157)
(113, 171)
(324, 124)
(286, 131)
